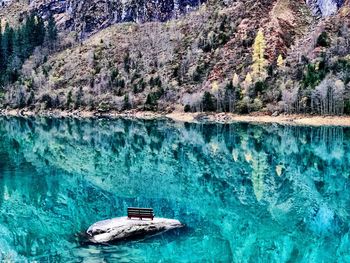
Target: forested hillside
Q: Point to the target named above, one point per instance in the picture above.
(279, 56)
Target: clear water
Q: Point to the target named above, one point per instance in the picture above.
(247, 193)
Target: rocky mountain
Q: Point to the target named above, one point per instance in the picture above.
(91, 15)
(325, 7)
(193, 55)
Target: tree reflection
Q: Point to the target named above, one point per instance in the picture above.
(249, 188)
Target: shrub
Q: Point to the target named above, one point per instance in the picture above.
(323, 40)
(46, 99)
(256, 105)
(103, 107)
(114, 74)
(135, 77)
(155, 82)
(242, 106)
(187, 108)
(260, 86)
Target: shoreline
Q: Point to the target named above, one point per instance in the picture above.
(222, 118)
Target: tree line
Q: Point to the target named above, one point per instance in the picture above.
(18, 44)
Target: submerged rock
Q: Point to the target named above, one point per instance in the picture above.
(123, 228)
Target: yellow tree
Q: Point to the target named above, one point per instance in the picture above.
(215, 87)
(247, 84)
(235, 80)
(259, 61)
(280, 61)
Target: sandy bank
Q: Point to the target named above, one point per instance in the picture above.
(296, 119)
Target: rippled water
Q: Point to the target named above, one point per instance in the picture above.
(247, 193)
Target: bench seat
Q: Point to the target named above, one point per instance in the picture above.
(136, 212)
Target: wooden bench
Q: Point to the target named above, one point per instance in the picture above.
(135, 212)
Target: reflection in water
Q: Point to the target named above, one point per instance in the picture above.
(246, 192)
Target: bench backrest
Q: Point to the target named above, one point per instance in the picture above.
(140, 212)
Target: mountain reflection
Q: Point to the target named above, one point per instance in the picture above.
(277, 193)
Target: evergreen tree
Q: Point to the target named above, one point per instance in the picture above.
(29, 36)
(39, 31)
(17, 45)
(18, 48)
(7, 43)
(51, 30)
(207, 102)
(2, 62)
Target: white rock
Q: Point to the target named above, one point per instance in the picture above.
(123, 228)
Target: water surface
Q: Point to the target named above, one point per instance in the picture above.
(247, 193)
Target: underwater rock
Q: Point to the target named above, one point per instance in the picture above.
(123, 228)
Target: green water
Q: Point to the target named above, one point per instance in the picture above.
(247, 193)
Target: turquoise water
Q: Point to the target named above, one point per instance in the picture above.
(247, 193)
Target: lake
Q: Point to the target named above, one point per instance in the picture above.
(247, 193)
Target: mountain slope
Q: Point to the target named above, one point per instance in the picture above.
(169, 65)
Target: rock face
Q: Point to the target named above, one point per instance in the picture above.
(91, 15)
(123, 228)
(324, 7)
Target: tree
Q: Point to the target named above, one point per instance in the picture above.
(69, 99)
(207, 101)
(235, 80)
(259, 61)
(39, 31)
(290, 96)
(126, 103)
(2, 62)
(328, 97)
(216, 91)
(51, 30)
(29, 36)
(247, 84)
(7, 43)
(17, 45)
(230, 96)
(280, 61)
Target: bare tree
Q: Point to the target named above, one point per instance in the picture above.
(290, 98)
(328, 97)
